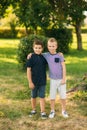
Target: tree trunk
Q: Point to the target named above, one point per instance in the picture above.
(78, 35)
(26, 30)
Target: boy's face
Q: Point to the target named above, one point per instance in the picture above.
(37, 49)
(52, 46)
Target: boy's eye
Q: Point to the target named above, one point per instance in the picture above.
(38, 48)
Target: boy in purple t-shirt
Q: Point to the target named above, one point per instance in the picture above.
(57, 74)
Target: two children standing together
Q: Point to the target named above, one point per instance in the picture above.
(36, 74)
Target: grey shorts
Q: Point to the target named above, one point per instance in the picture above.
(38, 91)
(56, 86)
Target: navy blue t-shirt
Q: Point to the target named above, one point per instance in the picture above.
(37, 63)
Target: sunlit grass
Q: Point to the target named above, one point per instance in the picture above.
(12, 43)
(8, 60)
(84, 41)
(76, 61)
(15, 103)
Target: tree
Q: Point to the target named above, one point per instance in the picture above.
(48, 13)
(76, 17)
(4, 4)
(32, 14)
(71, 11)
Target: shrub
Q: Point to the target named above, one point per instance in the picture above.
(63, 36)
(25, 47)
(8, 33)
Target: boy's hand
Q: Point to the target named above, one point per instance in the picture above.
(31, 85)
(29, 55)
(63, 81)
(60, 53)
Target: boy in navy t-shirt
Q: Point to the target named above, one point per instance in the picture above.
(36, 74)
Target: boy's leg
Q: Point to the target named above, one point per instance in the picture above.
(62, 92)
(42, 104)
(52, 97)
(42, 98)
(42, 101)
(52, 104)
(63, 104)
(33, 103)
(33, 97)
(52, 94)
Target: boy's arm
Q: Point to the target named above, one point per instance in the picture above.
(31, 85)
(64, 72)
(29, 55)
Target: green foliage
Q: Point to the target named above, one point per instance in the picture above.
(64, 37)
(8, 33)
(4, 4)
(25, 47)
(13, 33)
(13, 29)
(70, 10)
(31, 13)
(80, 96)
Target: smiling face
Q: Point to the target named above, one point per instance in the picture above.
(52, 46)
(37, 49)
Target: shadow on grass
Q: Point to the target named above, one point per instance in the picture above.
(77, 53)
(8, 52)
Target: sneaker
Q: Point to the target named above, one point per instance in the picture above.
(43, 115)
(65, 115)
(52, 114)
(32, 113)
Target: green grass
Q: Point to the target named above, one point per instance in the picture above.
(76, 61)
(15, 101)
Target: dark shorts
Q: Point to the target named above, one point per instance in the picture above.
(38, 91)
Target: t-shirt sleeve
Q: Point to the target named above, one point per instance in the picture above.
(29, 63)
(62, 59)
(45, 55)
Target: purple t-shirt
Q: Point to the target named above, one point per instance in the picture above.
(54, 63)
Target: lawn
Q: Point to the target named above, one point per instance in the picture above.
(15, 95)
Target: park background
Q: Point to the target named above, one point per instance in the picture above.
(18, 23)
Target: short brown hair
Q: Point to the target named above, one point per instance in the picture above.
(38, 42)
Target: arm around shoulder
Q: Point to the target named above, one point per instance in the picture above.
(29, 55)
(61, 54)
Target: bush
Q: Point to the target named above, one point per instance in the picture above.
(63, 36)
(8, 33)
(25, 47)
